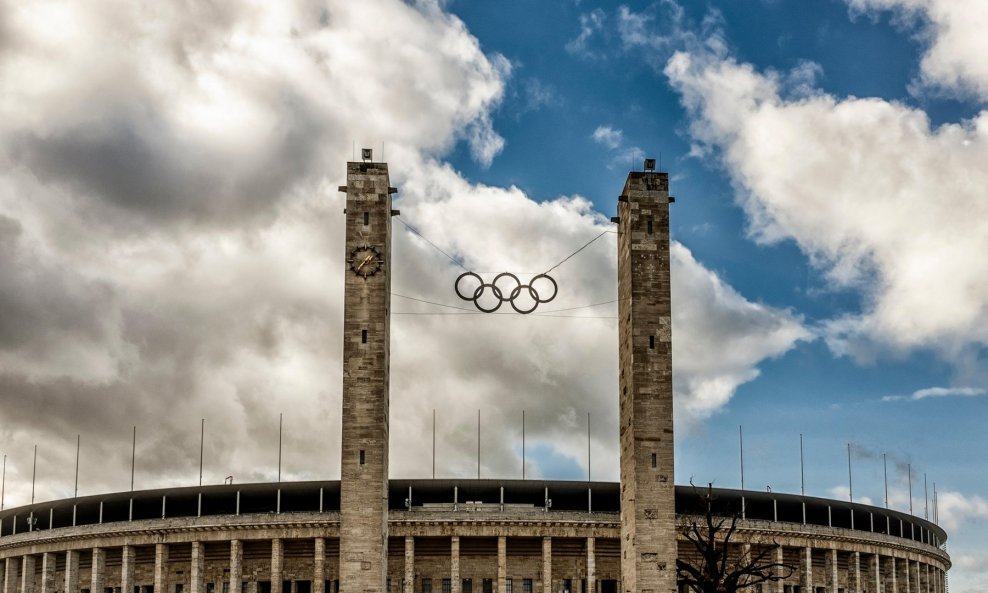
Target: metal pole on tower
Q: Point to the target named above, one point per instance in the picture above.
(34, 472)
(281, 416)
(433, 443)
(909, 470)
(926, 499)
(885, 469)
(478, 444)
(202, 443)
(78, 444)
(588, 446)
(133, 458)
(850, 482)
(3, 481)
(741, 451)
(802, 475)
(523, 444)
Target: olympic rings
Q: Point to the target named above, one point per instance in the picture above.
(503, 293)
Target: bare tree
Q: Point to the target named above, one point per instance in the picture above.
(711, 536)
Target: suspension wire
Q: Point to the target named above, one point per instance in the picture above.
(433, 303)
(436, 247)
(465, 269)
(510, 314)
(468, 311)
(565, 259)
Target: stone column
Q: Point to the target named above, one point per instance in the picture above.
(876, 572)
(161, 568)
(11, 570)
(502, 564)
(915, 577)
(591, 566)
(27, 574)
(48, 572)
(893, 586)
(454, 564)
(276, 556)
(97, 574)
(833, 581)
(546, 565)
(806, 569)
(854, 573)
(236, 565)
(409, 564)
(780, 558)
(128, 557)
(71, 572)
(924, 578)
(196, 581)
(319, 567)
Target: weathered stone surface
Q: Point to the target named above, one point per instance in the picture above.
(648, 513)
(366, 346)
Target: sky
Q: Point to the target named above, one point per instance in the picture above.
(171, 238)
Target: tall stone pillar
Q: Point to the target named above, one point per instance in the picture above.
(366, 348)
(648, 513)
(236, 565)
(27, 574)
(319, 567)
(893, 580)
(806, 569)
(127, 562)
(71, 572)
(161, 569)
(854, 571)
(409, 564)
(48, 572)
(591, 566)
(196, 580)
(914, 570)
(924, 578)
(10, 575)
(277, 553)
(546, 565)
(876, 573)
(502, 564)
(454, 564)
(97, 573)
(780, 559)
(833, 581)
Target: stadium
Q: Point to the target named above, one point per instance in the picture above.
(368, 534)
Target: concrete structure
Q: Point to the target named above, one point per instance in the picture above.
(366, 534)
(648, 513)
(366, 346)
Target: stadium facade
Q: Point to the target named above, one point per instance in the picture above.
(368, 534)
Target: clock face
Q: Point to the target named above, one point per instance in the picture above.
(366, 261)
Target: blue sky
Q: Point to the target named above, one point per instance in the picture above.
(171, 236)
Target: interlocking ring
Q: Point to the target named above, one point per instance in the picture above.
(501, 293)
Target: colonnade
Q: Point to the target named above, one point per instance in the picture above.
(863, 572)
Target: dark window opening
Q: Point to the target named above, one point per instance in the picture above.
(467, 586)
(649, 227)
(651, 342)
(363, 336)
(654, 460)
(488, 586)
(361, 457)
(367, 218)
(447, 586)
(426, 585)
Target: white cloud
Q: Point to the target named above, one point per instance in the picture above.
(957, 511)
(953, 32)
(608, 136)
(844, 493)
(170, 238)
(875, 197)
(590, 25)
(937, 392)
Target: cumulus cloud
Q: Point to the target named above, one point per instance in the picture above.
(876, 197)
(956, 509)
(171, 250)
(591, 23)
(953, 33)
(937, 392)
(608, 136)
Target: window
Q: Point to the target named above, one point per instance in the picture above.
(179, 587)
(651, 342)
(447, 586)
(367, 218)
(526, 586)
(363, 336)
(507, 585)
(426, 585)
(361, 457)
(654, 460)
(226, 587)
(387, 587)
(649, 227)
(488, 586)
(567, 586)
(210, 587)
(467, 586)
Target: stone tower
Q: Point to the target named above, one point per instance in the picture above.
(366, 333)
(648, 513)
